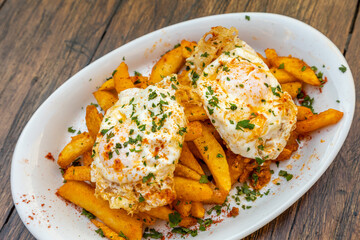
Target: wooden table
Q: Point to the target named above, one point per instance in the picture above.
(43, 43)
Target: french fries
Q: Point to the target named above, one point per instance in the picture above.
(190, 190)
(93, 120)
(303, 113)
(195, 113)
(121, 78)
(146, 218)
(108, 85)
(323, 119)
(215, 158)
(106, 99)
(78, 173)
(87, 159)
(186, 172)
(164, 212)
(293, 88)
(284, 155)
(183, 207)
(187, 48)
(187, 159)
(197, 210)
(218, 197)
(78, 145)
(236, 166)
(118, 220)
(107, 231)
(169, 63)
(194, 130)
(282, 76)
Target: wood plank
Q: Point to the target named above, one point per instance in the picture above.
(41, 45)
(15, 229)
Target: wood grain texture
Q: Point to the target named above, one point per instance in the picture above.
(55, 39)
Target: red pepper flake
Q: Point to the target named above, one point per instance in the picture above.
(31, 217)
(49, 156)
(234, 212)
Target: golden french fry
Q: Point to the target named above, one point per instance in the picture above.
(108, 85)
(187, 159)
(293, 88)
(194, 130)
(163, 213)
(214, 156)
(323, 119)
(121, 78)
(110, 234)
(78, 145)
(83, 195)
(236, 165)
(218, 197)
(271, 55)
(184, 79)
(197, 210)
(169, 63)
(146, 218)
(195, 113)
(183, 207)
(186, 172)
(87, 159)
(106, 99)
(187, 48)
(78, 173)
(214, 132)
(190, 190)
(193, 149)
(93, 120)
(140, 81)
(282, 76)
(284, 155)
(298, 68)
(303, 113)
(264, 59)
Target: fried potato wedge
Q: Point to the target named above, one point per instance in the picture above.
(264, 59)
(303, 113)
(140, 81)
(169, 63)
(121, 78)
(110, 234)
(197, 210)
(187, 159)
(83, 195)
(323, 119)
(164, 212)
(193, 149)
(87, 159)
(146, 218)
(293, 88)
(93, 120)
(183, 207)
(78, 173)
(108, 85)
(186, 172)
(184, 78)
(236, 165)
(214, 156)
(106, 99)
(284, 155)
(187, 48)
(78, 145)
(194, 130)
(190, 190)
(218, 197)
(195, 112)
(282, 76)
(271, 55)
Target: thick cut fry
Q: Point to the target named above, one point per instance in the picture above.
(183, 207)
(184, 79)
(93, 120)
(106, 99)
(140, 81)
(190, 190)
(264, 59)
(187, 159)
(195, 113)
(193, 149)
(214, 156)
(284, 155)
(78, 145)
(303, 113)
(282, 76)
(110, 234)
(187, 48)
(82, 194)
(169, 63)
(293, 88)
(271, 55)
(218, 197)
(108, 85)
(87, 159)
(186, 172)
(121, 78)
(146, 218)
(78, 173)
(163, 213)
(197, 210)
(298, 69)
(214, 132)
(236, 165)
(323, 119)
(194, 130)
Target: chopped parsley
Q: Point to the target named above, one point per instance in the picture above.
(137, 73)
(303, 68)
(281, 66)
(203, 179)
(259, 160)
(100, 232)
(152, 95)
(189, 49)
(247, 17)
(174, 219)
(219, 155)
(184, 231)
(244, 124)
(121, 234)
(205, 54)
(233, 107)
(286, 175)
(152, 233)
(71, 130)
(342, 68)
(148, 177)
(141, 198)
(87, 214)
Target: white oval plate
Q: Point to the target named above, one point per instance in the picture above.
(34, 179)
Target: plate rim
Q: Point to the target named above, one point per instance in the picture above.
(305, 188)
